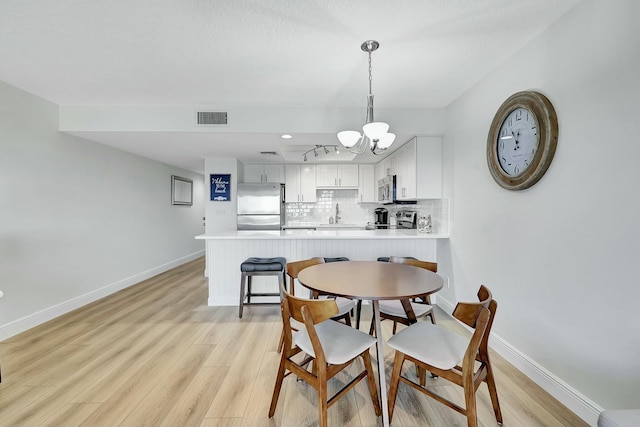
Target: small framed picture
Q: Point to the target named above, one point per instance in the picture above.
(220, 187)
(181, 191)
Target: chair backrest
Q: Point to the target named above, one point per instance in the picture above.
(320, 309)
(431, 266)
(294, 268)
(467, 312)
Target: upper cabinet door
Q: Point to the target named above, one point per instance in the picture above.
(253, 172)
(258, 172)
(337, 175)
(367, 184)
(348, 175)
(429, 167)
(327, 175)
(308, 183)
(274, 173)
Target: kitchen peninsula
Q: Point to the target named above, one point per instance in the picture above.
(226, 250)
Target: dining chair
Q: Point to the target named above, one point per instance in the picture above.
(344, 304)
(330, 346)
(393, 310)
(450, 356)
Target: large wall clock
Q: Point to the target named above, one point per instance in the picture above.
(522, 140)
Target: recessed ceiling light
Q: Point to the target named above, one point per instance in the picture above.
(286, 136)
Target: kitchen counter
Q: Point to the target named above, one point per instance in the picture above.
(226, 250)
(321, 234)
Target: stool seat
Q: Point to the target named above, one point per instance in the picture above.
(263, 264)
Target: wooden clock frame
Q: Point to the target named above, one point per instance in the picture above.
(542, 109)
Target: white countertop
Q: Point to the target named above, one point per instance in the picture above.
(320, 234)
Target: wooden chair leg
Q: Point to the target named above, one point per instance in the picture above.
(398, 360)
(493, 393)
(372, 327)
(470, 401)
(322, 401)
(278, 386)
(373, 389)
(347, 319)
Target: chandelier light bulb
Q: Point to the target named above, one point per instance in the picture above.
(375, 130)
(349, 138)
(386, 140)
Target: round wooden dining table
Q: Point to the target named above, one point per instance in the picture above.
(374, 281)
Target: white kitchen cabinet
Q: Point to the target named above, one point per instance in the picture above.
(406, 171)
(300, 185)
(419, 169)
(429, 167)
(258, 172)
(337, 175)
(367, 184)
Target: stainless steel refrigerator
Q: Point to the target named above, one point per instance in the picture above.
(260, 206)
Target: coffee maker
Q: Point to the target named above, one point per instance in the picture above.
(381, 217)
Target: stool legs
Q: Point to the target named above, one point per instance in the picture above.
(243, 277)
(246, 291)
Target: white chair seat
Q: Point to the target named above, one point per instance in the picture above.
(394, 308)
(431, 344)
(344, 304)
(340, 342)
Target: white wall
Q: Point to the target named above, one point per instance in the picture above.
(79, 220)
(560, 257)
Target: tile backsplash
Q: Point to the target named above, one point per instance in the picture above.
(353, 212)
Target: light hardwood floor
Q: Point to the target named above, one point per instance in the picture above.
(155, 354)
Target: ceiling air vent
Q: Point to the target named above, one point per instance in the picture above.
(268, 153)
(206, 118)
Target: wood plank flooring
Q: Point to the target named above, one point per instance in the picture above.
(155, 355)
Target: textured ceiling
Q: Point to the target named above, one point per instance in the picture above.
(257, 53)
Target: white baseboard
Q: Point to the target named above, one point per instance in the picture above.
(42, 316)
(564, 393)
(222, 302)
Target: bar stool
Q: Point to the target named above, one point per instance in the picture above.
(260, 267)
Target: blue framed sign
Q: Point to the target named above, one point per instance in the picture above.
(220, 187)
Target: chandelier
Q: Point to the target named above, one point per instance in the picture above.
(375, 135)
(326, 149)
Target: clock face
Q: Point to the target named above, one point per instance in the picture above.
(517, 142)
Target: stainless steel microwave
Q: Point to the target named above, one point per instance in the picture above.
(387, 189)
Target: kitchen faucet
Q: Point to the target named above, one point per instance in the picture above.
(337, 214)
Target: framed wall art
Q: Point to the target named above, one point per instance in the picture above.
(220, 187)
(181, 191)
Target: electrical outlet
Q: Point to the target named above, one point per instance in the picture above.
(446, 282)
